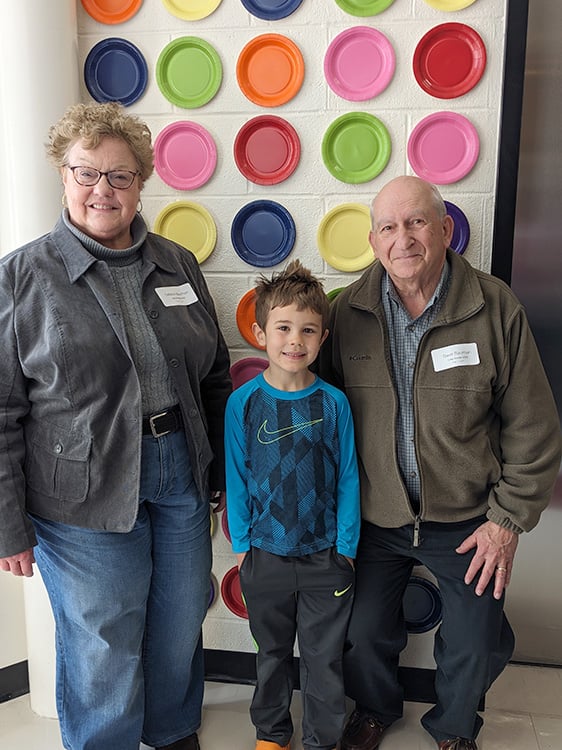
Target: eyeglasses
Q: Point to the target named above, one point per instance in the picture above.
(120, 179)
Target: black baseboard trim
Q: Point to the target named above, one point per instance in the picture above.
(240, 668)
(14, 681)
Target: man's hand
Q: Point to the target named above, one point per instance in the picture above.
(20, 564)
(495, 550)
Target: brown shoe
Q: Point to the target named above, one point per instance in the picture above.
(459, 743)
(362, 732)
(187, 743)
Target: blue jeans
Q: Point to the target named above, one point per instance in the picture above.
(128, 610)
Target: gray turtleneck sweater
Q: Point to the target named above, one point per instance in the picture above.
(125, 266)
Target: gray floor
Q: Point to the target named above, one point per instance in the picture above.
(523, 712)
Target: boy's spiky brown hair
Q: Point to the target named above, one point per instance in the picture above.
(295, 285)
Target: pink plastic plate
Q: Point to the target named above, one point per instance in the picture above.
(443, 147)
(185, 155)
(359, 63)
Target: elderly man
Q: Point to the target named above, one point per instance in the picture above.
(459, 446)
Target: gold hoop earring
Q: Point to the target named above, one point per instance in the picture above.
(139, 206)
(63, 200)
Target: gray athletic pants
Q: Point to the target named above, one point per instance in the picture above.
(309, 597)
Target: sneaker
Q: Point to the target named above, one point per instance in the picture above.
(266, 745)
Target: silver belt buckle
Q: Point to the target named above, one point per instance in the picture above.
(153, 429)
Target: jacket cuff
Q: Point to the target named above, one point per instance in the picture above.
(505, 523)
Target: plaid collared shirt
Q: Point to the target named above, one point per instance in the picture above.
(405, 336)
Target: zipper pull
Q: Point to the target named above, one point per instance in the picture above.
(417, 532)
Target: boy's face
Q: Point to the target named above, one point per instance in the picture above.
(292, 338)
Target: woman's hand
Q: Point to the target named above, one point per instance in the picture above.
(20, 564)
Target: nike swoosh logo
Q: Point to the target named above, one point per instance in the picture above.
(341, 593)
(265, 436)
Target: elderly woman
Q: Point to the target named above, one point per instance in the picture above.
(113, 384)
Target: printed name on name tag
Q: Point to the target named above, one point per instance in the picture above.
(456, 355)
(176, 295)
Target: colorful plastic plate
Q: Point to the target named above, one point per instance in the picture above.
(190, 225)
(271, 10)
(185, 155)
(263, 233)
(191, 10)
(448, 5)
(343, 237)
(111, 11)
(359, 63)
(246, 317)
(461, 232)
(224, 526)
(246, 369)
(270, 70)
(356, 147)
(232, 593)
(115, 71)
(449, 60)
(189, 72)
(443, 147)
(422, 605)
(213, 589)
(333, 293)
(267, 150)
(364, 7)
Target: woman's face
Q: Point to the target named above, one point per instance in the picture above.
(101, 211)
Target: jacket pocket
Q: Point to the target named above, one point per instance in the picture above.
(58, 463)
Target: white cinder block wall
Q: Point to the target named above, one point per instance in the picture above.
(311, 191)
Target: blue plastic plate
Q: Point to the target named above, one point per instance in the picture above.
(115, 71)
(263, 233)
(271, 10)
(422, 605)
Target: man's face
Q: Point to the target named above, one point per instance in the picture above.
(409, 236)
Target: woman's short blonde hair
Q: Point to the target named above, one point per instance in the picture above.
(90, 123)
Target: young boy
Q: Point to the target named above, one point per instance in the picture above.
(293, 514)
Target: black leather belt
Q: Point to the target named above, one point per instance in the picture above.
(162, 423)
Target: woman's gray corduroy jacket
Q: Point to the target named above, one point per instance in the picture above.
(70, 401)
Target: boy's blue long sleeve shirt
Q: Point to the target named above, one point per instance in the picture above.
(291, 470)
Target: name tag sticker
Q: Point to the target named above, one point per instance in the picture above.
(457, 355)
(176, 295)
